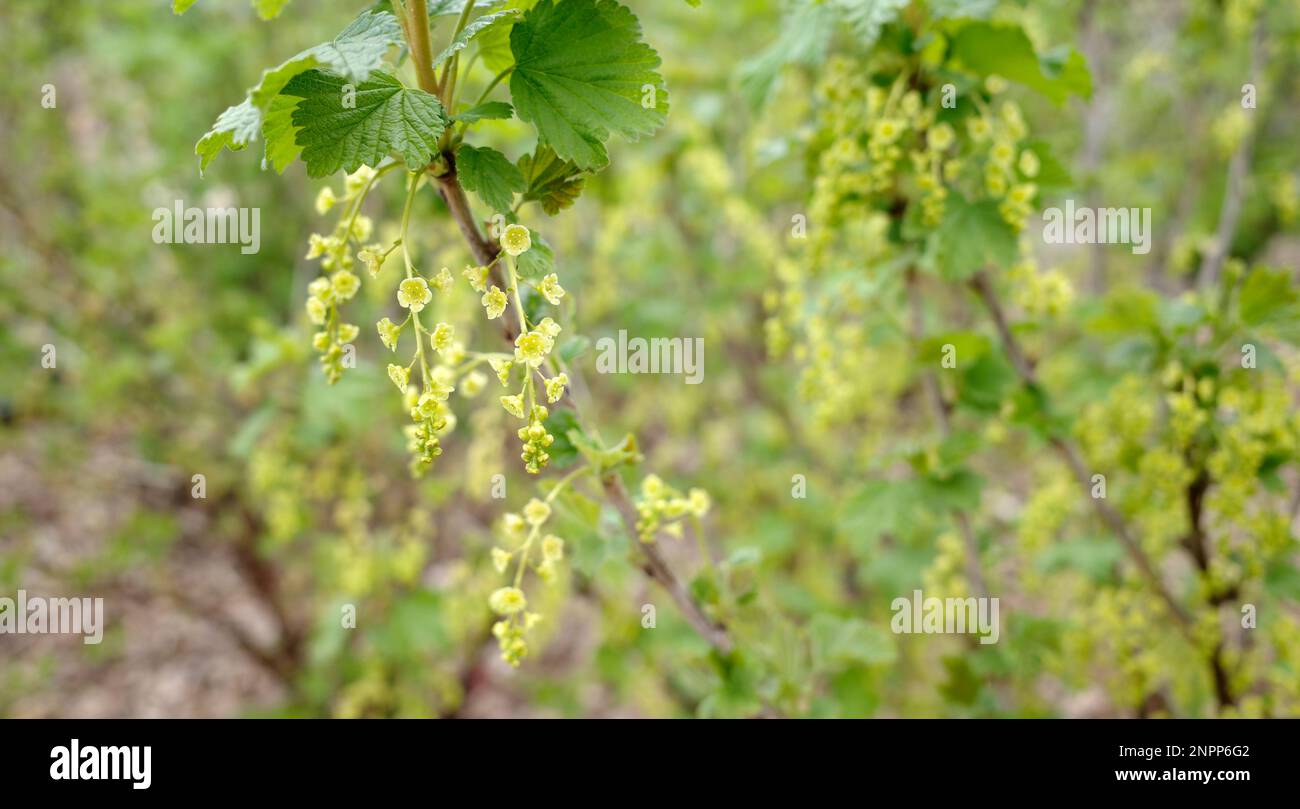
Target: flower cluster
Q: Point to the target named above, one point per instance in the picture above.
(661, 507)
(326, 293)
(529, 549)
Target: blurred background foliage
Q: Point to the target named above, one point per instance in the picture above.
(176, 360)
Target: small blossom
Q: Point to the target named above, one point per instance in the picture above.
(320, 340)
(700, 502)
(552, 548)
(516, 240)
(532, 348)
(372, 258)
(359, 179)
(345, 284)
(348, 332)
(441, 337)
(443, 280)
(652, 487)
(941, 137)
(549, 327)
(536, 511)
(494, 301)
(513, 525)
(472, 384)
(887, 130)
(401, 376)
(362, 228)
(555, 387)
(413, 293)
(477, 277)
(502, 367)
(1029, 164)
(507, 601)
(514, 405)
(321, 288)
(500, 559)
(316, 311)
(551, 289)
(317, 246)
(388, 333)
(325, 200)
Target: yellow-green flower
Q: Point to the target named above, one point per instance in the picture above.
(345, 284)
(325, 200)
(555, 387)
(514, 405)
(477, 277)
(413, 293)
(321, 288)
(549, 327)
(532, 348)
(348, 332)
(699, 502)
(388, 333)
(320, 340)
(372, 258)
(552, 548)
(1029, 164)
(443, 280)
(513, 526)
(316, 311)
(886, 130)
(500, 559)
(502, 367)
(551, 289)
(536, 511)
(494, 301)
(507, 601)
(516, 240)
(472, 384)
(941, 137)
(442, 337)
(401, 376)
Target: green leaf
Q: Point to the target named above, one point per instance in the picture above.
(182, 6)
(539, 260)
(562, 424)
(269, 9)
(387, 117)
(1051, 172)
(489, 174)
(574, 347)
(839, 642)
(1004, 49)
(1267, 296)
(553, 182)
(582, 72)
(472, 30)
(354, 54)
(486, 110)
(971, 237)
(281, 135)
(494, 43)
(805, 29)
(867, 17)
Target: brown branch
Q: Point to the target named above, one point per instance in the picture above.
(1113, 520)
(656, 567)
